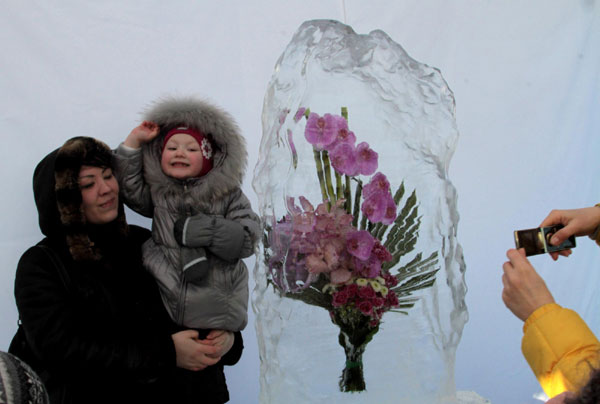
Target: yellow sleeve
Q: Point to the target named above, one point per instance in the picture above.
(560, 348)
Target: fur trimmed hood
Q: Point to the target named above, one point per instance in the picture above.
(58, 196)
(230, 155)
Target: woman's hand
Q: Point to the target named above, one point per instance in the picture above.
(193, 354)
(577, 222)
(524, 290)
(142, 134)
(220, 340)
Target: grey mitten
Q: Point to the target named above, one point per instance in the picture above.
(223, 237)
(194, 263)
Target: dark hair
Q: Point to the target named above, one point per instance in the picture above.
(590, 393)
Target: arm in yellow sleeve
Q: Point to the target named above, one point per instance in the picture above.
(560, 348)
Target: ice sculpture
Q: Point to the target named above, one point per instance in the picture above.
(360, 287)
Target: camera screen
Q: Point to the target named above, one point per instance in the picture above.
(531, 240)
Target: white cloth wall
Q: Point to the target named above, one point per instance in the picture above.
(527, 85)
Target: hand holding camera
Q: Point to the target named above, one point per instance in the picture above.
(542, 240)
(557, 231)
(524, 289)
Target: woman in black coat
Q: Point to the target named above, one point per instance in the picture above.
(92, 322)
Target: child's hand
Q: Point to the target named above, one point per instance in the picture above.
(141, 134)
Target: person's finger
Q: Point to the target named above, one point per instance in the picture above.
(554, 217)
(214, 334)
(516, 257)
(505, 281)
(562, 234)
(507, 267)
(192, 334)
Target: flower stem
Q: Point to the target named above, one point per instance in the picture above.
(348, 195)
(357, 195)
(328, 179)
(339, 186)
(319, 164)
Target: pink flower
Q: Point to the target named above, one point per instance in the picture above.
(390, 211)
(352, 289)
(390, 280)
(340, 275)
(366, 292)
(369, 268)
(378, 183)
(343, 135)
(306, 205)
(378, 302)
(381, 252)
(339, 298)
(343, 159)
(366, 159)
(299, 114)
(391, 299)
(374, 207)
(315, 263)
(365, 307)
(303, 223)
(320, 131)
(332, 251)
(360, 243)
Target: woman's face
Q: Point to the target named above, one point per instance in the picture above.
(99, 194)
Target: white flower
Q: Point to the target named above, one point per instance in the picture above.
(207, 151)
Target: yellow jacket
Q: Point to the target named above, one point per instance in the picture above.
(560, 348)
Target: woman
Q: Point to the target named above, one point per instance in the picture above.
(92, 322)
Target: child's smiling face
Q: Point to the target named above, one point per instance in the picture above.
(182, 157)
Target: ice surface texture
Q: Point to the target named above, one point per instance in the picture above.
(405, 111)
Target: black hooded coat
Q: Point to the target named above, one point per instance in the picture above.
(92, 324)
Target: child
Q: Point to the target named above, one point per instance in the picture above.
(183, 166)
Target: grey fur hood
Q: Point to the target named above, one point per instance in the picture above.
(230, 158)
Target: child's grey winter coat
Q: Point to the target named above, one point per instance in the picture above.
(210, 212)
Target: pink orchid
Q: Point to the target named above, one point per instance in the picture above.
(378, 183)
(369, 268)
(343, 135)
(366, 159)
(390, 211)
(320, 131)
(374, 207)
(360, 243)
(343, 159)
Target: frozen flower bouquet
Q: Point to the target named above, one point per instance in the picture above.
(343, 253)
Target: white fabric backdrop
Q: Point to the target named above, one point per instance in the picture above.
(527, 85)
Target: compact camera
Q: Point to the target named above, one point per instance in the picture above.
(537, 241)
